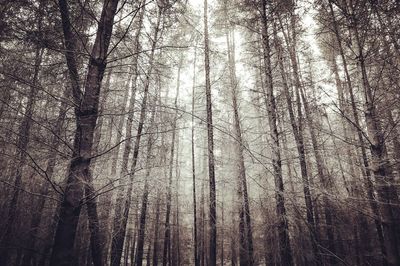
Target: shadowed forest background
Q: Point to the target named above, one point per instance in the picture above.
(181, 132)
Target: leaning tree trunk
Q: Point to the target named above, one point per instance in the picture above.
(283, 228)
(366, 165)
(44, 190)
(297, 129)
(86, 111)
(380, 164)
(156, 245)
(21, 158)
(325, 181)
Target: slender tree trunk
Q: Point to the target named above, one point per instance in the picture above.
(44, 190)
(118, 216)
(244, 212)
(156, 236)
(210, 137)
(177, 204)
(297, 129)
(202, 254)
(102, 103)
(325, 180)
(21, 158)
(283, 230)
(195, 236)
(380, 164)
(145, 196)
(368, 180)
(133, 248)
(167, 232)
(121, 222)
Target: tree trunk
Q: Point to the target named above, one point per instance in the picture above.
(21, 155)
(297, 129)
(195, 238)
(368, 180)
(120, 222)
(44, 190)
(380, 164)
(86, 111)
(167, 232)
(325, 181)
(285, 251)
(245, 229)
(156, 236)
(210, 137)
(145, 196)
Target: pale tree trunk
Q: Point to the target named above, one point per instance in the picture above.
(135, 231)
(86, 111)
(109, 198)
(321, 168)
(121, 218)
(102, 104)
(246, 243)
(195, 235)
(176, 244)
(210, 137)
(203, 252)
(167, 232)
(285, 250)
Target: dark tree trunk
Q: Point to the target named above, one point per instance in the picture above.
(368, 180)
(167, 232)
(21, 158)
(145, 196)
(44, 190)
(283, 230)
(210, 137)
(86, 111)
